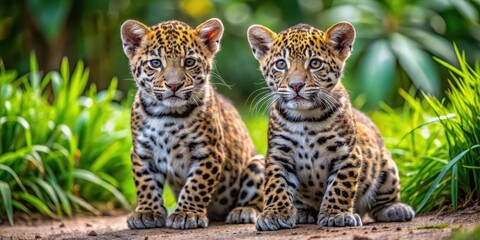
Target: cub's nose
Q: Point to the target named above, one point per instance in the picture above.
(297, 86)
(174, 86)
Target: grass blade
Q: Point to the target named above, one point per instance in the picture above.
(442, 173)
(36, 203)
(84, 204)
(7, 200)
(15, 176)
(91, 177)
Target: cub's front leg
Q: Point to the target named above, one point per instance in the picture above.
(149, 180)
(337, 205)
(191, 211)
(281, 183)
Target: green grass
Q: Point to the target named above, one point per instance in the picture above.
(472, 234)
(436, 143)
(439, 226)
(63, 147)
(257, 125)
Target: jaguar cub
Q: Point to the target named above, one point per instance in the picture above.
(326, 162)
(186, 134)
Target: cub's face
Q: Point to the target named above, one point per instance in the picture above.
(302, 64)
(171, 61)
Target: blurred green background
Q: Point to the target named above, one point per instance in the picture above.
(395, 38)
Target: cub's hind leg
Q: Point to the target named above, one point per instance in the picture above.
(250, 198)
(388, 207)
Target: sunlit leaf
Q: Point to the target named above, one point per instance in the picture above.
(417, 64)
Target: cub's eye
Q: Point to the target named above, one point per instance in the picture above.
(189, 62)
(281, 64)
(315, 64)
(155, 63)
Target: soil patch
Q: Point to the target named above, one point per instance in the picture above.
(428, 226)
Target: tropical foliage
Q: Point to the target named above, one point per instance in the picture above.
(64, 146)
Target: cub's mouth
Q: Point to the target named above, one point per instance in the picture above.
(173, 97)
(298, 98)
(298, 102)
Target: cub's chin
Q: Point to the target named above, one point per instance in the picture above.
(174, 102)
(299, 104)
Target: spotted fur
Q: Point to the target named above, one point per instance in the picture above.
(186, 134)
(326, 162)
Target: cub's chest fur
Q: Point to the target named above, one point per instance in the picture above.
(175, 144)
(316, 149)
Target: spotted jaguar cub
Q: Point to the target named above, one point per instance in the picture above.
(326, 161)
(186, 134)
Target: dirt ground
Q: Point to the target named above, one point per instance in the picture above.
(428, 226)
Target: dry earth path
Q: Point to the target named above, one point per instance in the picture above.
(429, 226)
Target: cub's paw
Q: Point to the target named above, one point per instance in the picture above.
(398, 212)
(243, 215)
(339, 220)
(187, 220)
(306, 216)
(146, 219)
(271, 220)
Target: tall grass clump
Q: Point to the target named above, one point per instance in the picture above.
(63, 146)
(436, 143)
(462, 132)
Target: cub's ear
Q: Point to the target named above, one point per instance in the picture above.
(341, 37)
(260, 39)
(210, 33)
(132, 33)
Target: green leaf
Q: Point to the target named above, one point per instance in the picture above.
(426, 123)
(454, 185)
(50, 193)
(7, 200)
(25, 125)
(36, 203)
(49, 16)
(467, 9)
(57, 82)
(62, 196)
(84, 204)
(20, 206)
(442, 173)
(34, 74)
(418, 65)
(91, 177)
(377, 69)
(15, 176)
(436, 44)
